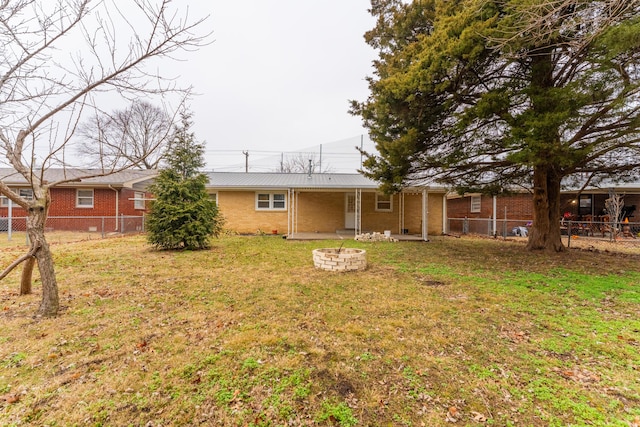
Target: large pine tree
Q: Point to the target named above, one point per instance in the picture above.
(183, 216)
(487, 95)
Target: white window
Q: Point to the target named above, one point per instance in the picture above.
(138, 200)
(271, 201)
(214, 198)
(384, 202)
(476, 203)
(25, 193)
(84, 198)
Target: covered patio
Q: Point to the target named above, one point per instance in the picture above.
(325, 206)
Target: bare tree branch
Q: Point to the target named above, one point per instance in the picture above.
(138, 135)
(302, 163)
(23, 258)
(58, 60)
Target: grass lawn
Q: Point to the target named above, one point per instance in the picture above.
(466, 331)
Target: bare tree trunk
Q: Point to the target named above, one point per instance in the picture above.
(35, 228)
(27, 273)
(545, 232)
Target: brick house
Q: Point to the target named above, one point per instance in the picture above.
(591, 201)
(109, 203)
(292, 203)
(282, 203)
(518, 208)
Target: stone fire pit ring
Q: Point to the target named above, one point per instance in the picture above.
(340, 259)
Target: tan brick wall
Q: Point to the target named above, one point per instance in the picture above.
(240, 214)
(379, 221)
(321, 212)
(413, 213)
(324, 212)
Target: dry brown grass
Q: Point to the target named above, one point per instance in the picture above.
(249, 333)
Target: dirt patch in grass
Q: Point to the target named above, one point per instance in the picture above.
(467, 331)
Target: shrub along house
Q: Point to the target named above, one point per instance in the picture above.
(299, 203)
(113, 203)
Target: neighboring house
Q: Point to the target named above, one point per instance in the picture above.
(107, 203)
(293, 203)
(591, 201)
(518, 208)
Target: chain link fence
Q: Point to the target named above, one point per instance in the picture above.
(485, 227)
(69, 228)
(619, 233)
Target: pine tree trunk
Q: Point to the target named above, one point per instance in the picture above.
(545, 232)
(35, 229)
(27, 273)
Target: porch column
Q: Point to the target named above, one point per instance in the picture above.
(445, 219)
(401, 212)
(358, 219)
(292, 212)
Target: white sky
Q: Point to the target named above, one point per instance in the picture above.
(278, 77)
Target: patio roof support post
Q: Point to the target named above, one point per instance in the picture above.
(445, 223)
(291, 213)
(358, 221)
(425, 215)
(401, 212)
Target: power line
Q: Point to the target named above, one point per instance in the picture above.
(331, 154)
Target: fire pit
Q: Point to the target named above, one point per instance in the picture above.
(340, 259)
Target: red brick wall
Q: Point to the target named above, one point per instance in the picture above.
(518, 206)
(63, 203)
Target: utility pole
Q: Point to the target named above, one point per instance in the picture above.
(246, 161)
